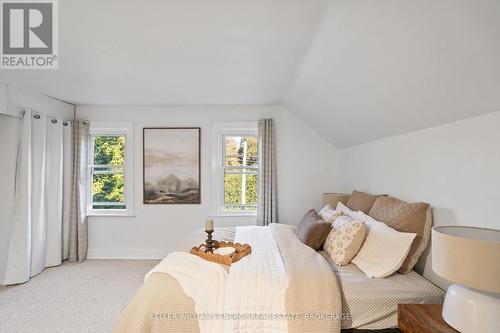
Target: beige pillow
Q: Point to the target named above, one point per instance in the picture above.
(312, 230)
(329, 214)
(406, 217)
(361, 201)
(384, 249)
(343, 243)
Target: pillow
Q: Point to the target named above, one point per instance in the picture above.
(344, 242)
(406, 217)
(384, 249)
(347, 211)
(361, 201)
(329, 214)
(341, 220)
(312, 230)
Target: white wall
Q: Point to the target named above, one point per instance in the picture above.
(454, 167)
(306, 169)
(13, 100)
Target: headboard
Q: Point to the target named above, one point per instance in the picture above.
(333, 199)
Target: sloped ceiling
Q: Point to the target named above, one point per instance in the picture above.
(176, 52)
(354, 70)
(382, 68)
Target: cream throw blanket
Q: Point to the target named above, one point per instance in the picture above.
(203, 281)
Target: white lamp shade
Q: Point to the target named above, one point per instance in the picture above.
(467, 256)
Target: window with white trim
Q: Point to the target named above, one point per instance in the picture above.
(110, 161)
(236, 169)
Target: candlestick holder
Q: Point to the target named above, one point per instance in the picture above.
(209, 241)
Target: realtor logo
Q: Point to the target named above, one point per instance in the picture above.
(29, 34)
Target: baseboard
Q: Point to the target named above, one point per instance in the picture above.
(128, 253)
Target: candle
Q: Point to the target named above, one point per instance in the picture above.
(209, 225)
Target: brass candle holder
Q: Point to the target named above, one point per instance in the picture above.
(209, 242)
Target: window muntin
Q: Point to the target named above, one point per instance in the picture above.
(107, 172)
(240, 173)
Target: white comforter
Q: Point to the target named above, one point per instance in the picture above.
(280, 276)
(256, 285)
(248, 299)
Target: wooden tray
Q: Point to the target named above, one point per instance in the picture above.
(241, 250)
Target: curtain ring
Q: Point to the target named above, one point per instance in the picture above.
(65, 123)
(54, 121)
(36, 116)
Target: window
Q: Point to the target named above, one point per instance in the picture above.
(236, 168)
(110, 170)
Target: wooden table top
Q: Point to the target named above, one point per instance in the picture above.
(422, 318)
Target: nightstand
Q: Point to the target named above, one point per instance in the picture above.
(422, 318)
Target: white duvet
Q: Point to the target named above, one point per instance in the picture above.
(251, 298)
(256, 285)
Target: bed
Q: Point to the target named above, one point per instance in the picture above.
(371, 304)
(366, 304)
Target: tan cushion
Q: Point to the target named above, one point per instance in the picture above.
(312, 230)
(406, 217)
(361, 201)
(343, 243)
(329, 214)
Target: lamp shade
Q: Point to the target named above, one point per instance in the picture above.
(467, 256)
(333, 199)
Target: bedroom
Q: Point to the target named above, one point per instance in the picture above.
(153, 120)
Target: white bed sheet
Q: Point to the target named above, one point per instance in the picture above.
(372, 303)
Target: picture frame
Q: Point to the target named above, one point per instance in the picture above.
(171, 165)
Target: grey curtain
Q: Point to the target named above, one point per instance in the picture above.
(78, 237)
(267, 206)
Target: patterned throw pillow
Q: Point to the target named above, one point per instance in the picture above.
(344, 241)
(329, 214)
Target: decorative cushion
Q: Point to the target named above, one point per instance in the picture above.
(384, 249)
(344, 242)
(341, 220)
(347, 211)
(312, 230)
(361, 201)
(329, 214)
(406, 217)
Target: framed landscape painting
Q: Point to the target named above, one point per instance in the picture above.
(171, 169)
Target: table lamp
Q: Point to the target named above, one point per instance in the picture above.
(470, 258)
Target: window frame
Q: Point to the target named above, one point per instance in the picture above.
(220, 132)
(113, 129)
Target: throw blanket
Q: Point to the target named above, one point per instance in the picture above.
(203, 281)
(312, 293)
(256, 285)
(312, 297)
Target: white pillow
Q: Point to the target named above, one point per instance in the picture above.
(347, 211)
(341, 220)
(384, 249)
(329, 214)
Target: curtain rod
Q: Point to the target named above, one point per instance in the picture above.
(36, 115)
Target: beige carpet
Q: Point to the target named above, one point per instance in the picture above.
(86, 297)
